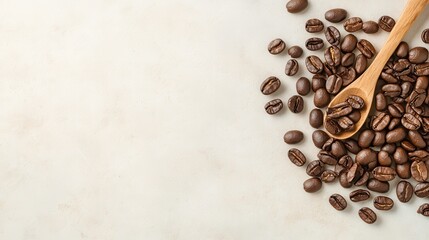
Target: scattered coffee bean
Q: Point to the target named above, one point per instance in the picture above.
(296, 157)
(319, 138)
(314, 25)
(293, 137)
(418, 55)
(333, 35)
(314, 44)
(348, 59)
(315, 168)
(404, 191)
(303, 86)
(336, 15)
(361, 64)
(292, 67)
(424, 210)
(276, 46)
(366, 48)
(419, 171)
(349, 43)
(314, 64)
(353, 24)
(274, 106)
(422, 190)
(295, 51)
(386, 23)
(383, 203)
(425, 35)
(321, 98)
(367, 215)
(295, 6)
(270, 85)
(312, 185)
(370, 27)
(328, 176)
(360, 195)
(296, 104)
(402, 50)
(338, 202)
(378, 186)
(316, 118)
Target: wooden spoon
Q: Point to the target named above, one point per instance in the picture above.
(364, 86)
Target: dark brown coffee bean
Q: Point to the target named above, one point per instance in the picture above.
(422, 69)
(407, 145)
(276, 46)
(334, 84)
(316, 118)
(312, 185)
(354, 173)
(419, 171)
(295, 51)
(380, 102)
(367, 215)
(359, 195)
(348, 59)
(396, 135)
(418, 155)
(338, 149)
(346, 161)
(356, 102)
(314, 25)
(380, 121)
(402, 50)
(349, 43)
(327, 157)
(321, 98)
(363, 179)
(383, 203)
(333, 56)
(338, 202)
(424, 209)
(343, 180)
(389, 148)
(295, 6)
(333, 36)
(367, 157)
(314, 44)
(404, 191)
(396, 110)
(352, 146)
(314, 64)
(315, 168)
(355, 116)
(303, 86)
(404, 170)
(348, 76)
(378, 186)
(422, 83)
(339, 110)
(361, 64)
(411, 122)
(270, 85)
(353, 24)
(400, 156)
(379, 139)
(418, 55)
(318, 81)
(365, 138)
(328, 176)
(295, 104)
(366, 48)
(274, 106)
(422, 190)
(425, 35)
(406, 89)
(319, 138)
(345, 123)
(293, 137)
(416, 139)
(388, 77)
(296, 157)
(370, 27)
(292, 67)
(386, 23)
(336, 15)
(394, 122)
(384, 173)
(384, 159)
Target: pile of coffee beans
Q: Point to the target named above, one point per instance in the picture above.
(394, 141)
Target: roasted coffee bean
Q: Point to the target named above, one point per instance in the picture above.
(422, 83)
(328, 176)
(343, 180)
(396, 135)
(303, 86)
(367, 215)
(349, 43)
(333, 36)
(402, 50)
(367, 157)
(418, 55)
(361, 64)
(334, 84)
(425, 35)
(348, 59)
(315, 168)
(338, 149)
(295, 6)
(389, 148)
(295, 51)
(416, 139)
(404, 191)
(379, 139)
(328, 145)
(363, 179)
(380, 102)
(406, 89)
(352, 146)
(396, 110)
(312, 185)
(314, 44)
(345, 123)
(359, 195)
(386, 23)
(321, 98)
(316, 118)
(274, 106)
(394, 122)
(422, 69)
(339, 110)
(292, 67)
(356, 102)
(419, 171)
(318, 81)
(370, 27)
(422, 190)
(276, 46)
(314, 64)
(295, 104)
(380, 121)
(378, 186)
(327, 157)
(400, 156)
(365, 138)
(424, 210)
(384, 173)
(293, 137)
(333, 56)
(418, 155)
(384, 159)
(355, 116)
(346, 161)
(354, 173)
(403, 170)
(411, 122)
(408, 146)
(366, 48)
(336, 15)
(383, 203)
(338, 202)
(388, 77)
(348, 76)
(353, 24)
(270, 85)
(319, 138)
(296, 157)
(314, 25)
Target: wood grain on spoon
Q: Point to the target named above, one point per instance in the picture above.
(365, 85)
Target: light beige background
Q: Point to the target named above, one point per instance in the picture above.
(142, 119)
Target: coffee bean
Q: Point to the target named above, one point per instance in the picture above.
(416, 139)
(396, 135)
(274, 106)
(318, 81)
(389, 148)
(424, 210)
(354, 173)
(355, 116)
(295, 51)
(338, 202)
(333, 56)
(314, 64)
(314, 44)
(345, 123)
(348, 59)
(380, 121)
(303, 86)
(366, 48)
(312, 185)
(295, 6)
(355, 102)
(400, 156)
(336, 15)
(386, 23)
(384, 173)
(419, 155)
(418, 55)
(403, 170)
(352, 146)
(315, 168)
(384, 158)
(419, 171)
(346, 161)
(395, 109)
(339, 110)
(332, 126)
(378, 186)
(408, 146)
(316, 118)
(314, 25)
(411, 122)
(348, 75)
(292, 67)
(379, 139)
(402, 50)
(338, 149)
(361, 64)
(363, 179)
(422, 69)
(321, 98)
(367, 215)
(327, 157)
(296, 157)
(296, 104)
(383, 203)
(370, 27)
(293, 137)
(367, 157)
(359, 195)
(425, 35)
(334, 84)
(353, 24)
(276, 46)
(333, 35)
(319, 138)
(422, 190)
(404, 191)
(349, 43)
(343, 180)
(270, 85)
(365, 138)
(328, 176)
